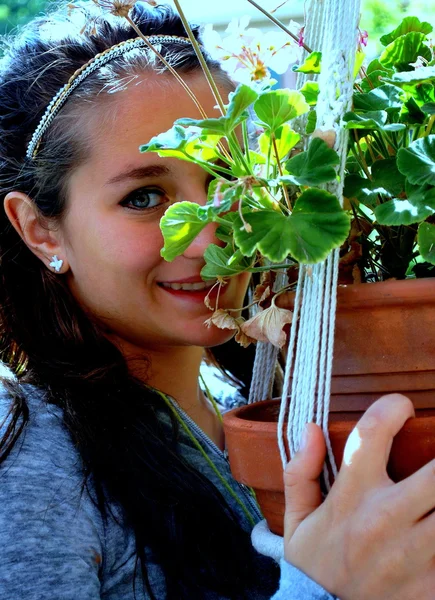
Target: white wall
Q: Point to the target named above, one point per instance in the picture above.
(220, 12)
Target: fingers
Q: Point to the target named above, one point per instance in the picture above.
(368, 446)
(416, 494)
(301, 480)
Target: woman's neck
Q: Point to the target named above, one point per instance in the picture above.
(175, 372)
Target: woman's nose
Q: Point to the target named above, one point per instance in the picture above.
(202, 241)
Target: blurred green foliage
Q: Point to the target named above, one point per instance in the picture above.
(378, 17)
(18, 12)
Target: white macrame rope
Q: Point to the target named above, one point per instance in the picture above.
(332, 28)
(266, 356)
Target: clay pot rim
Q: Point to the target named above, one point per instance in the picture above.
(234, 419)
(393, 291)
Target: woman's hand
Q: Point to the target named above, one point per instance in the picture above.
(371, 538)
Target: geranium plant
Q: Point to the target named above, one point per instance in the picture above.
(268, 197)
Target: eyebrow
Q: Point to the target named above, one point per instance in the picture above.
(140, 173)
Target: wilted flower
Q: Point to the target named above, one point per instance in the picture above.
(363, 37)
(247, 54)
(119, 8)
(243, 339)
(222, 319)
(327, 135)
(218, 195)
(267, 324)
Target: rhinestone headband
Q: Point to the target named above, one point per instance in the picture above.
(80, 75)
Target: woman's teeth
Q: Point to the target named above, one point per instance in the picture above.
(203, 285)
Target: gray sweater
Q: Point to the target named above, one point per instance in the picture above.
(55, 544)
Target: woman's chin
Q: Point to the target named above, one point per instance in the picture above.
(213, 336)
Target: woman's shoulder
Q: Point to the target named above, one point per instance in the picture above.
(49, 524)
(44, 430)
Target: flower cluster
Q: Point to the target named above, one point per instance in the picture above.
(249, 55)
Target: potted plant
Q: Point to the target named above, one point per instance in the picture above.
(273, 214)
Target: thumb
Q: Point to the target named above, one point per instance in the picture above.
(301, 480)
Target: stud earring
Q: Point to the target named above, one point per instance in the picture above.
(56, 263)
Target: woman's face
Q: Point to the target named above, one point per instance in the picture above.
(111, 235)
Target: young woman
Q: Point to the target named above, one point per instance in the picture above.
(113, 483)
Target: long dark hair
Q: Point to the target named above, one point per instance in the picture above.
(48, 341)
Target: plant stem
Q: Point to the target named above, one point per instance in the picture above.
(246, 141)
(284, 189)
(237, 152)
(168, 66)
(270, 268)
(362, 157)
(429, 125)
(280, 25)
(201, 59)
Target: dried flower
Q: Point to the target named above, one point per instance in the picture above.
(243, 339)
(266, 325)
(222, 319)
(327, 135)
(363, 37)
(119, 8)
(218, 195)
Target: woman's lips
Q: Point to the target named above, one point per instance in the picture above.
(193, 290)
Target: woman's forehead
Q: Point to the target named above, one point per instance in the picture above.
(131, 117)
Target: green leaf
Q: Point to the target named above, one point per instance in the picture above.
(414, 209)
(371, 120)
(386, 176)
(319, 225)
(360, 188)
(405, 50)
(386, 181)
(216, 126)
(276, 107)
(359, 61)
(374, 71)
(180, 225)
(426, 241)
(429, 108)
(240, 100)
(311, 122)
(411, 113)
(223, 262)
(310, 91)
(408, 24)
(184, 143)
(314, 166)
(312, 64)
(271, 232)
(286, 139)
(417, 162)
(410, 79)
(384, 97)
(236, 113)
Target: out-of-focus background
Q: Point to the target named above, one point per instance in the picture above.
(378, 16)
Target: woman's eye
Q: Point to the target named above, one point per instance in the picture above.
(144, 198)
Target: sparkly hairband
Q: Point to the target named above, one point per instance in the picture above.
(76, 79)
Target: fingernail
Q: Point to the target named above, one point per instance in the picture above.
(304, 437)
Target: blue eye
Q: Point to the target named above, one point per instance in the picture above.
(145, 198)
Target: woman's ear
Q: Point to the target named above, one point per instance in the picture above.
(42, 240)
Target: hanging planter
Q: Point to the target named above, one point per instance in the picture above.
(384, 343)
(282, 206)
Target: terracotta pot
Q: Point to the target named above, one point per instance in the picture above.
(384, 342)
